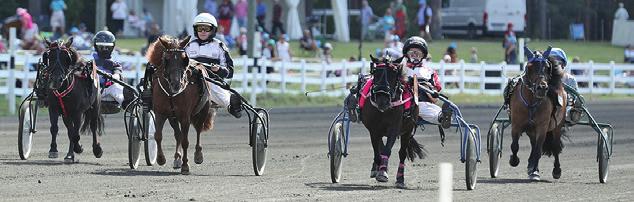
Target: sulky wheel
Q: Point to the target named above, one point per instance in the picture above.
(494, 137)
(134, 141)
(150, 143)
(603, 156)
(336, 145)
(471, 161)
(25, 134)
(259, 130)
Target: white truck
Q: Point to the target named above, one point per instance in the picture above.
(482, 17)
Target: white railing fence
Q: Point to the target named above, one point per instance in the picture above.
(334, 79)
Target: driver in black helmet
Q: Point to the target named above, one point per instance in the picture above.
(206, 49)
(415, 52)
(104, 43)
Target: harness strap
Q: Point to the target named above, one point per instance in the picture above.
(531, 108)
(63, 94)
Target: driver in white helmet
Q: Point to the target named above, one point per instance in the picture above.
(204, 48)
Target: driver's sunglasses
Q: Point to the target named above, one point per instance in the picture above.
(415, 54)
(203, 29)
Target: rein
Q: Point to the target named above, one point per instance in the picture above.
(67, 74)
(184, 80)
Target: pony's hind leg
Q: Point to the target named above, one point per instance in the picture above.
(158, 136)
(96, 122)
(198, 155)
(54, 118)
(178, 162)
(557, 168)
(72, 124)
(402, 155)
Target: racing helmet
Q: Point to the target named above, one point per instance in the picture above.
(560, 55)
(104, 42)
(208, 20)
(416, 42)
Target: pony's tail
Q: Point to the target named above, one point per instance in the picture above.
(414, 149)
(204, 120)
(552, 145)
(93, 118)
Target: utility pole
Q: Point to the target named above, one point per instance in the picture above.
(100, 15)
(542, 19)
(436, 32)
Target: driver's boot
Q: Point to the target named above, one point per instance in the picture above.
(235, 106)
(128, 97)
(445, 116)
(352, 104)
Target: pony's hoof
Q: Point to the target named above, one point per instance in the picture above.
(401, 185)
(69, 159)
(514, 161)
(178, 163)
(160, 159)
(78, 149)
(534, 176)
(556, 173)
(382, 176)
(198, 157)
(52, 155)
(185, 169)
(96, 149)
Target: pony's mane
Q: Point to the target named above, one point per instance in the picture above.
(557, 72)
(154, 53)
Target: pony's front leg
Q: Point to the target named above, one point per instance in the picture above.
(377, 147)
(185, 144)
(537, 140)
(54, 118)
(158, 136)
(385, 156)
(72, 124)
(515, 146)
(177, 136)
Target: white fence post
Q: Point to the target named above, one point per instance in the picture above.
(283, 77)
(504, 78)
(263, 76)
(138, 58)
(462, 71)
(303, 74)
(482, 77)
(344, 77)
(245, 77)
(254, 86)
(25, 76)
(612, 77)
(322, 86)
(364, 66)
(591, 82)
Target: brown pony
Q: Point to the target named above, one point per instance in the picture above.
(180, 95)
(537, 115)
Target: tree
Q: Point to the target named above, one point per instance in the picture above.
(436, 32)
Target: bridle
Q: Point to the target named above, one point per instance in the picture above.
(172, 54)
(533, 85)
(381, 83)
(58, 66)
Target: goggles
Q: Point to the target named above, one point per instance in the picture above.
(201, 28)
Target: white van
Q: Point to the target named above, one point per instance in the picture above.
(482, 17)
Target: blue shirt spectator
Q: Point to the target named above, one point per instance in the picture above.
(58, 5)
(212, 7)
(261, 9)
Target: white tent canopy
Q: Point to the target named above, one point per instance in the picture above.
(340, 9)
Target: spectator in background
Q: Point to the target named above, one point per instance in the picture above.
(242, 10)
(283, 48)
(212, 7)
(136, 23)
(30, 32)
(225, 15)
(119, 14)
(621, 13)
(79, 42)
(277, 18)
(3, 47)
(269, 54)
(154, 33)
(423, 17)
(452, 53)
(367, 15)
(629, 54)
(474, 55)
(394, 47)
(400, 15)
(260, 13)
(510, 45)
(307, 42)
(242, 41)
(58, 20)
(388, 24)
(149, 21)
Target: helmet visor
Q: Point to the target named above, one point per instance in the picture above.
(104, 49)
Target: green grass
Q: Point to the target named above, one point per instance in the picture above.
(489, 50)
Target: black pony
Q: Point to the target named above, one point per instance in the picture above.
(383, 116)
(72, 92)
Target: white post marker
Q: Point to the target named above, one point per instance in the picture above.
(445, 182)
(11, 81)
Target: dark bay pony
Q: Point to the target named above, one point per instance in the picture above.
(73, 94)
(180, 96)
(382, 115)
(534, 111)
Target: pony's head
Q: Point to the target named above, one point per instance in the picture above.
(59, 60)
(386, 85)
(538, 72)
(168, 54)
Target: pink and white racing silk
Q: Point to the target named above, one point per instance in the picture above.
(365, 93)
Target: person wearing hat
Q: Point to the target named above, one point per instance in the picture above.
(104, 43)
(204, 48)
(558, 58)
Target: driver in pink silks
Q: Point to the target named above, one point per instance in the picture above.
(415, 52)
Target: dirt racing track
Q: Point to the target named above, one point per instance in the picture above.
(298, 164)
